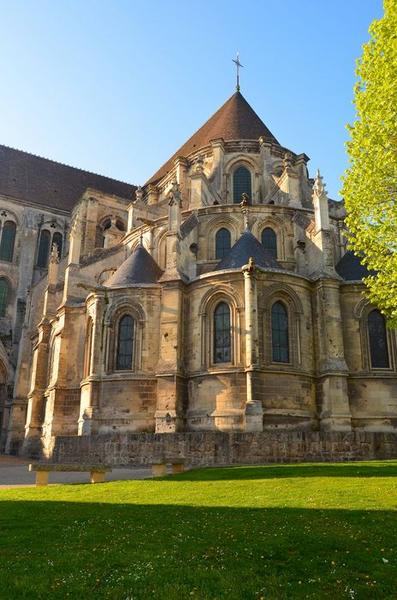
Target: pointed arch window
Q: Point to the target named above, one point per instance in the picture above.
(44, 249)
(125, 343)
(4, 293)
(269, 241)
(280, 334)
(222, 243)
(377, 335)
(241, 184)
(45, 246)
(7, 241)
(222, 334)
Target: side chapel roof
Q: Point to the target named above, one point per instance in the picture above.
(235, 120)
(245, 248)
(139, 267)
(350, 268)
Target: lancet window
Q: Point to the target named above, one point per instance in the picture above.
(241, 184)
(280, 334)
(377, 336)
(4, 293)
(8, 231)
(45, 245)
(222, 334)
(125, 343)
(222, 243)
(269, 241)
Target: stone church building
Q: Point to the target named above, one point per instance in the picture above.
(220, 296)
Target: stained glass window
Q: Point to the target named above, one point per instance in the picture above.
(241, 184)
(125, 343)
(222, 243)
(7, 241)
(269, 241)
(222, 335)
(44, 249)
(4, 289)
(378, 340)
(280, 342)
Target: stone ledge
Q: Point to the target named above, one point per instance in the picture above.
(219, 448)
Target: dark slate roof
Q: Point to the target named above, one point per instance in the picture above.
(34, 179)
(243, 249)
(350, 268)
(139, 267)
(235, 120)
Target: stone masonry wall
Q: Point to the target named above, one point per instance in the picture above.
(218, 448)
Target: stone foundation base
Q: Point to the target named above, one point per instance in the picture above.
(218, 448)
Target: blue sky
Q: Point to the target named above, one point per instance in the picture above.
(117, 86)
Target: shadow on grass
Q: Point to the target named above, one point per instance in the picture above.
(77, 549)
(291, 471)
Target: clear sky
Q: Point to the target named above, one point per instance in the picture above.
(116, 86)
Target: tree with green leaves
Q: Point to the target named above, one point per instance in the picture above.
(370, 183)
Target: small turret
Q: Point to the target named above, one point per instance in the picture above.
(320, 202)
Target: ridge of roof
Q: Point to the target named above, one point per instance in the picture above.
(46, 182)
(139, 267)
(234, 120)
(247, 246)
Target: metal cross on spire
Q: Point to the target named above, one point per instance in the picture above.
(238, 65)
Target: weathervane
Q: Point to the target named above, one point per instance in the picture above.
(238, 65)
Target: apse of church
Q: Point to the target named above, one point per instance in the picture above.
(220, 297)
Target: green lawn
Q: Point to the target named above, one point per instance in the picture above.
(301, 531)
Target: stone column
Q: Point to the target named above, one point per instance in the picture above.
(90, 226)
(89, 396)
(73, 266)
(152, 194)
(332, 391)
(171, 385)
(322, 238)
(36, 400)
(253, 407)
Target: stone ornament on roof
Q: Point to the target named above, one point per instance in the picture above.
(174, 196)
(54, 256)
(319, 186)
(138, 195)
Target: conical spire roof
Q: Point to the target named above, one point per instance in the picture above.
(245, 248)
(235, 120)
(139, 267)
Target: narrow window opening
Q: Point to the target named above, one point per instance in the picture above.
(222, 243)
(44, 249)
(8, 241)
(378, 340)
(269, 241)
(125, 343)
(241, 184)
(280, 338)
(222, 334)
(4, 292)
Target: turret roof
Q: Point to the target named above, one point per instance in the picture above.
(139, 267)
(235, 120)
(350, 268)
(245, 248)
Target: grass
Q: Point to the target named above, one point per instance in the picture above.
(271, 532)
